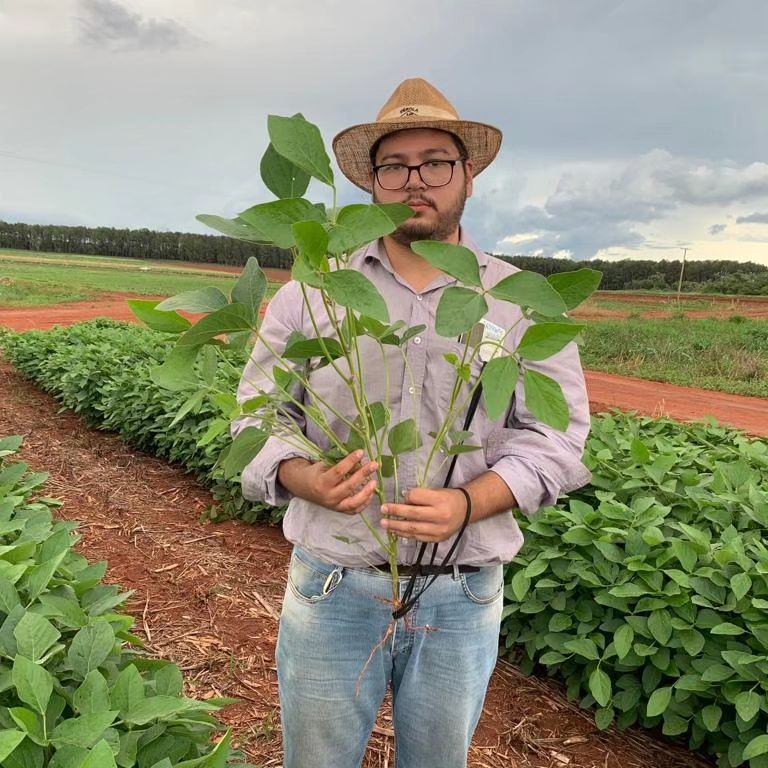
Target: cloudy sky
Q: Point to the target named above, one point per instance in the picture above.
(632, 128)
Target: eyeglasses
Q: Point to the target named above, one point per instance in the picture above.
(434, 173)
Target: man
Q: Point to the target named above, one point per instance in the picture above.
(333, 667)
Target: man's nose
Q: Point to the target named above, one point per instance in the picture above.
(414, 180)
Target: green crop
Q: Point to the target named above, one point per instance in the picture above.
(648, 590)
(102, 370)
(72, 693)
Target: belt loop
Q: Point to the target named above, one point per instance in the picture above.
(456, 571)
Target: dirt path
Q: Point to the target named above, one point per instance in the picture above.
(653, 398)
(208, 596)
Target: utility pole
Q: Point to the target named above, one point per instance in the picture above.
(680, 281)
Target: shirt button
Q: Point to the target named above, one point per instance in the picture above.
(411, 390)
(417, 340)
(404, 493)
(418, 297)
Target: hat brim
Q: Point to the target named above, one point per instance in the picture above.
(352, 146)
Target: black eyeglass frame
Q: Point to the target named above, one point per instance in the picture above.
(418, 168)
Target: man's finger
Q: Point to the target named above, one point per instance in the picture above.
(345, 466)
(410, 530)
(412, 512)
(361, 498)
(360, 477)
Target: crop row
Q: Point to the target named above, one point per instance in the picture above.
(646, 591)
(76, 690)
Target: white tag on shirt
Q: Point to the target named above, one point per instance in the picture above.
(491, 333)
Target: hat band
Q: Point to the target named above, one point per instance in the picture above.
(417, 111)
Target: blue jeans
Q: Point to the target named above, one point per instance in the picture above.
(334, 664)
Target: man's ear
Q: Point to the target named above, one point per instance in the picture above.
(469, 176)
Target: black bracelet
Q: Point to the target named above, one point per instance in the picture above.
(469, 506)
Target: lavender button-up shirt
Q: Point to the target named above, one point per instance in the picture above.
(537, 462)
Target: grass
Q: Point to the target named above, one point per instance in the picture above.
(28, 280)
(721, 355)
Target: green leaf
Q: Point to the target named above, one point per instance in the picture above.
(499, 379)
(29, 722)
(639, 452)
(584, 647)
(34, 636)
(711, 715)
(545, 400)
(100, 757)
(82, 731)
(455, 260)
(575, 287)
(250, 288)
(357, 225)
(198, 301)
(192, 403)
(281, 177)
(458, 311)
(233, 317)
(659, 701)
(622, 640)
(166, 322)
(660, 626)
(299, 141)
(218, 758)
(92, 695)
(355, 291)
(600, 687)
(128, 690)
(546, 339)
(741, 583)
(232, 228)
(162, 707)
(604, 717)
(34, 684)
(245, 447)
(9, 740)
(748, 704)
(90, 648)
(520, 585)
(177, 372)
(403, 437)
(758, 746)
(726, 628)
(274, 221)
(531, 291)
(312, 242)
(306, 349)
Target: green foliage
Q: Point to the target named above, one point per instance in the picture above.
(711, 354)
(107, 372)
(73, 691)
(647, 591)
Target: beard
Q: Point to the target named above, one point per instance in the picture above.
(441, 228)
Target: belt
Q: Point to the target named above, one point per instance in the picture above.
(425, 569)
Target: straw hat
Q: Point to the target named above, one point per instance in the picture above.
(414, 104)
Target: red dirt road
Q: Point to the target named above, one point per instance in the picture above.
(653, 398)
(606, 391)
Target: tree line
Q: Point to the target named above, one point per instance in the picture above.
(628, 274)
(711, 276)
(139, 244)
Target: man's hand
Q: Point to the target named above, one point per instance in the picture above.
(344, 487)
(429, 514)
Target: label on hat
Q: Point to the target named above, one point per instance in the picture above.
(409, 111)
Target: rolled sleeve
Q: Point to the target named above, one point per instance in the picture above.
(259, 478)
(538, 462)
